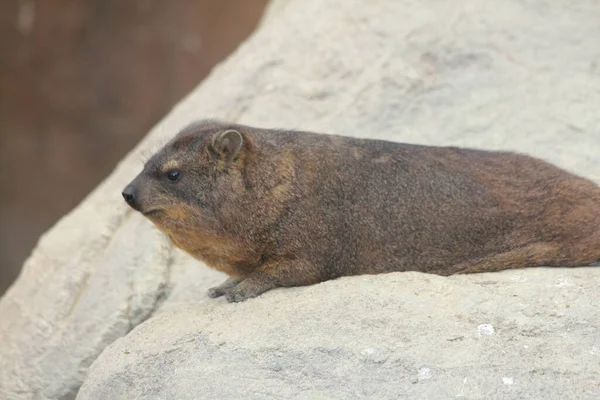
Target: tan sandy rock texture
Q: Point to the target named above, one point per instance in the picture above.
(518, 74)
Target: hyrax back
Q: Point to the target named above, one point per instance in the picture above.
(276, 208)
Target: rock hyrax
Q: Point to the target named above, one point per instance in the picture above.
(275, 208)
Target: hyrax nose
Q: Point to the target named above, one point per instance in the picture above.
(129, 195)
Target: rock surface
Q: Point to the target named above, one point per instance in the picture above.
(521, 334)
(519, 75)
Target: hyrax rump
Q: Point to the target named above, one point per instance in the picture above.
(276, 208)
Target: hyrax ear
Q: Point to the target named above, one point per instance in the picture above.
(228, 144)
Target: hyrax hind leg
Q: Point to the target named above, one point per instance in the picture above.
(532, 255)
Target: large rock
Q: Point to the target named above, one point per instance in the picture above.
(512, 75)
(521, 334)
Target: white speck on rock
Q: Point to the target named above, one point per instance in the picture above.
(486, 329)
(374, 355)
(424, 374)
(508, 380)
(563, 283)
(368, 351)
(518, 278)
(462, 389)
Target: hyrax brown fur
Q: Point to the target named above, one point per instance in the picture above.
(275, 208)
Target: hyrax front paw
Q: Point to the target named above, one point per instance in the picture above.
(253, 286)
(240, 293)
(223, 288)
(215, 292)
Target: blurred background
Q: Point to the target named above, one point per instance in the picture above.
(81, 82)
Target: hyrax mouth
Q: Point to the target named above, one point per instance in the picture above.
(151, 212)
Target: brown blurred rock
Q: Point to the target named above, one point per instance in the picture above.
(80, 83)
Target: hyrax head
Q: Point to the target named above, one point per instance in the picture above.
(181, 182)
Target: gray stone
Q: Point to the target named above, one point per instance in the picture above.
(518, 75)
(509, 335)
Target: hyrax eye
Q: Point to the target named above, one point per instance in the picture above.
(173, 175)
